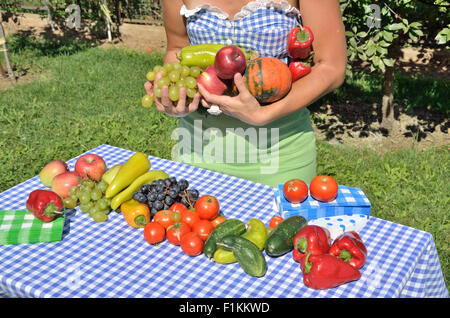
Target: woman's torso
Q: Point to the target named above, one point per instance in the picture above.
(262, 26)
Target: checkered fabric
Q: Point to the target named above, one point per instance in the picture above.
(263, 28)
(20, 227)
(348, 201)
(112, 259)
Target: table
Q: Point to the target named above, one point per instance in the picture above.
(112, 259)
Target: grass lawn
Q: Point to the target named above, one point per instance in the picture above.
(82, 97)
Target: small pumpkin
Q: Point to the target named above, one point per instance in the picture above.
(268, 79)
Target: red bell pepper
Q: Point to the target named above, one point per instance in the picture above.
(299, 69)
(327, 271)
(300, 42)
(313, 239)
(45, 205)
(350, 248)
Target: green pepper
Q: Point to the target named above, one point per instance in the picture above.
(203, 55)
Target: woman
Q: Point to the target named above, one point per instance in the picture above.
(267, 144)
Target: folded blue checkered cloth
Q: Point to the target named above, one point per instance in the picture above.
(112, 259)
(349, 201)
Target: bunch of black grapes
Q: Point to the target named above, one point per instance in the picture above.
(162, 193)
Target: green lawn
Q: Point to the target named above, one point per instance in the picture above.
(82, 97)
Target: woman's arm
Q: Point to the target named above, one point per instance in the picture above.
(328, 73)
(174, 25)
(330, 58)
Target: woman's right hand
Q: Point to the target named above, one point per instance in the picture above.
(165, 105)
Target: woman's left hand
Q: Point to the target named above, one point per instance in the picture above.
(244, 106)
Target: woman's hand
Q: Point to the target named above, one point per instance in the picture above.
(244, 106)
(165, 105)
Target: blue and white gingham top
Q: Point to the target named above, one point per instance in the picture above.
(262, 26)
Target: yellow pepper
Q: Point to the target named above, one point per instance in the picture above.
(136, 214)
(136, 165)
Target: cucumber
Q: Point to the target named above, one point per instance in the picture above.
(280, 239)
(248, 255)
(256, 233)
(227, 227)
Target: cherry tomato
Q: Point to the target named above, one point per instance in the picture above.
(154, 232)
(191, 244)
(218, 220)
(176, 231)
(295, 190)
(275, 221)
(167, 217)
(203, 228)
(190, 217)
(178, 207)
(323, 188)
(207, 207)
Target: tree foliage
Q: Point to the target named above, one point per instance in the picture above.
(400, 23)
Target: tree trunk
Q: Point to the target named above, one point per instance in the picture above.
(5, 52)
(2, 71)
(128, 9)
(108, 25)
(50, 20)
(117, 12)
(387, 104)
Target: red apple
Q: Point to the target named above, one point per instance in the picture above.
(229, 60)
(209, 80)
(51, 170)
(91, 165)
(64, 181)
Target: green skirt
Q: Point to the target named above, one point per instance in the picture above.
(269, 154)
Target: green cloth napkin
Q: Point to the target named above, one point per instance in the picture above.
(20, 227)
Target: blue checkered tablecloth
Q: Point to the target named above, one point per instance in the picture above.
(112, 259)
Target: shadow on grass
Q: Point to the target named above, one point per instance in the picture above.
(27, 46)
(48, 44)
(354, 108)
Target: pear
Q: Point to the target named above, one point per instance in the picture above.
(111, 173)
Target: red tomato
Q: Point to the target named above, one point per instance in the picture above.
(154, 233)
(295, 190)
(207, 207)
(218, 220)
(323, 188)
(275, 221)
(176, 231)
(167, 217)
(203, 228)
(191, 244)
(190, 217)
(178, 207)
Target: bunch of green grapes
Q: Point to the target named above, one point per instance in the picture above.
(90, 195)
(174, 76)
